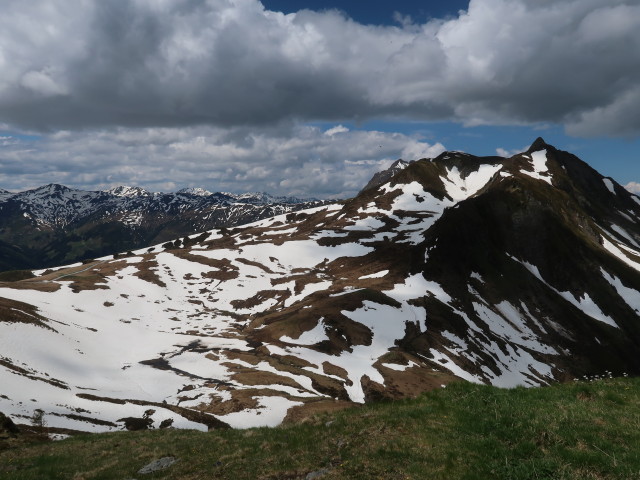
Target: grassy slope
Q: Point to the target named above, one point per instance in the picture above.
(575, 431)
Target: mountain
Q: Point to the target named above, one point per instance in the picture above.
(53, 224)
(385, 175)
(505, 271)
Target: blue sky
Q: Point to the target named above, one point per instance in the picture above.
(378, 12)
(308, 97)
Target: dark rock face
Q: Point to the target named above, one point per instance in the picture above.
(7, 427)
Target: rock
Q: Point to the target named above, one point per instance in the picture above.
(166, 423)
(157, 465)
(7, 426)
(136, 423)
(317, 474)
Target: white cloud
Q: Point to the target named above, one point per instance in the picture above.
(633, 187)
(42, 83)
(216, 93)
(337, 129)
(146, 63)
(510, 153)
(293, 160)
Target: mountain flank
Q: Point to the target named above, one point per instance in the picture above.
(505, 271)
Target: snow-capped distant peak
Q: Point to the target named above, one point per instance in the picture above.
(201, 192)
(51, 188)
(126, 191)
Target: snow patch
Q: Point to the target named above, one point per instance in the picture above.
(379, 274)
(540, 170)
(609, 185)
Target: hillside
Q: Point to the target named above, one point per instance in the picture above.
(505, 271)
(576, 431)
(55, 225)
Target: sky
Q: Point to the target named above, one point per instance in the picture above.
(307, 97)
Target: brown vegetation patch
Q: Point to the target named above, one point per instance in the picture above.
(37, 284)
(261, 297)
(296, 366)
(240, 400)
(14, 311)
(194, 415)
(244, 398)
(225, 242)
(92, 277)
(342, 332)
(255, 264)
(7, 363)
(301, 280)
(331, 369)
(409, 383)
(145, 272)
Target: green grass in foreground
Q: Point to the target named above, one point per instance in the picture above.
(573, 431)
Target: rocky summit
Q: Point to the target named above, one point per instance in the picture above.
(506, 271)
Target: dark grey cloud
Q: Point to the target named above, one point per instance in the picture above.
(150, 63)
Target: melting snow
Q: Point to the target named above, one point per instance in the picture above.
(623, 233)
(539, 163)
(459, 188)
(609, 185)
(615, 250)
(380, 274)
(584, 303)
(630, 296)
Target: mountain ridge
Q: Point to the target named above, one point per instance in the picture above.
(507, 271)
(54, 224)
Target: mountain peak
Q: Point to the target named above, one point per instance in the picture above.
(201, 192)
(52, 187)
(385, 175)
(126, 191)
(537, 145)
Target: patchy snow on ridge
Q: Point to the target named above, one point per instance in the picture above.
(584, 302)
(609, 184)
(459, 188)
(630, 296)
(539, 164)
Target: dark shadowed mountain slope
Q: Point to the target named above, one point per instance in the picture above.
(54, 225)
(518, 271)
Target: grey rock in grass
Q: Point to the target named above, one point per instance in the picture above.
(317, 474)
(157, 465)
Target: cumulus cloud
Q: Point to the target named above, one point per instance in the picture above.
(148, 63)
(633, 187)
(293, 160)
(510, 153)
(222, 93)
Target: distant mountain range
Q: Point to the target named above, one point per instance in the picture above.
(508, 271)
(53, 225)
